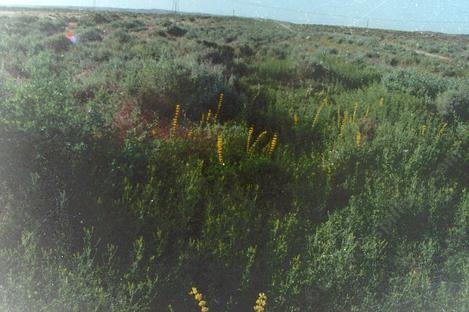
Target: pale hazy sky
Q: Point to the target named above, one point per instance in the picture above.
(451, 16)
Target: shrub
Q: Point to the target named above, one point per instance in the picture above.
(93, 34)
(49, 27)
(160, 84)
(276, 70)
(94, 19)
(418, 84)
(33, 278)
(176, 31)
(312, 69)
(122, 36)
(57, 43)
(133, 25)
(454, 103)
(348, 74)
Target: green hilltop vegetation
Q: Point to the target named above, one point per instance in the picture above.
(273, 166)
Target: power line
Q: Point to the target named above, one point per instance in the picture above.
(176, 6)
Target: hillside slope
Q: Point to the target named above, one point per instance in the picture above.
(146, 154)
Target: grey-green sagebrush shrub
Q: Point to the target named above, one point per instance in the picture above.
(160, 84)
(50, 27)
(93, 34)
(416, 83)
(454, 104)
(58, 43)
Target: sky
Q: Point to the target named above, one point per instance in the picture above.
(449, 16)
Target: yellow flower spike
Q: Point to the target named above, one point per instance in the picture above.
(220, 104)
(258, 140)
(318, 112)
(381, 102)
(358, 138)
(190, 134)
(442, 129)
(248, 143)
(199, 298)
(220, 148)
(338, 117)
(355, 110)
(367, 111)
(261, 302)
(295, 119)
(174, 122)
(209, 115)
(423, 130)
(273, 144)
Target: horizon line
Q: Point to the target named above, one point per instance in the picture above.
(166, 11)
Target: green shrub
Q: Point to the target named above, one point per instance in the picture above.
(361, 205)
(132, 25)
(33, 278)
(454, 104)
(94, 34)
(49, 27)
(92, 19)
(415, 83)
(57, 43)
(176, 31)
(276, 70)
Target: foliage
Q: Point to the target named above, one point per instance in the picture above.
(454, 103)
(322, 169)
(417, 84)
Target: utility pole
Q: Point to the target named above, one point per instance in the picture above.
(176, 6)
(233, 12)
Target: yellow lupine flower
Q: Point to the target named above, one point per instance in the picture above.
(358, 138)
(381, 102)
(259, 139)
(174, 122)
(355, 110)
(273, 144)
(209, 115)
(154, 132)
(367, 111)
(344, 123)
(220, 148)
(220, 103)
(318, 112)
(260, 303)
(199, 298)
(248, 143)
(423, 129)
(442, 129)
(338, 117)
